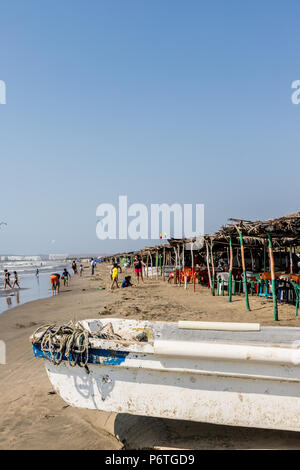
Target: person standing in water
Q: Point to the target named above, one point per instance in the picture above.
(37, 272)
(16, 280)
(6, 279)
(55, 283)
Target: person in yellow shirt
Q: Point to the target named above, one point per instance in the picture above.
(114, 275)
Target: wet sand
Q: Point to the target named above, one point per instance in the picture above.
(33, 417)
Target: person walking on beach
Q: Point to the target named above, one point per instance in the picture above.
(6, 279)
(65, 276)
(16, 280)
(80, 270)
(93, 264)
(55, 283)
(74, 267)
(138, 264)
(114, 275)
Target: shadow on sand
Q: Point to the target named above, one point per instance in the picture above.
(141, 432)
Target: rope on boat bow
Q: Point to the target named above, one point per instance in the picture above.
(70, 341)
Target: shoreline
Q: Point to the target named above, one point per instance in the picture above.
(33, 417)
(31, 288)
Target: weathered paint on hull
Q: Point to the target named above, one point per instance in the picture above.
(245, 391)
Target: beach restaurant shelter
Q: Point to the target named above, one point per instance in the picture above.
(245, 250)
(272, 245)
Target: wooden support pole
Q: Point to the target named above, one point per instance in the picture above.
(291, 261)
(213, 269)
(192, 260)
(272, 266)
(183, 267)
(252, 260)
(179, 263)
(175, 272)
(238, 258)
(151, 261)
(160, 264)
(208, 267)
(244, 268)
(147, 265)
(230, 270)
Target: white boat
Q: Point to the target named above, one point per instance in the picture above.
(236, 378)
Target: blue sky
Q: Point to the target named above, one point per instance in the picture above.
(159, 100)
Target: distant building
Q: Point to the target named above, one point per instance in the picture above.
(57, 257)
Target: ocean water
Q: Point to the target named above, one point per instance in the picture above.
(31, 287)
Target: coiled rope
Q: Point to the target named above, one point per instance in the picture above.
(69, 341)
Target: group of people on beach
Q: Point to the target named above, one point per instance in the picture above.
(114, 272)
(55, 279)
(7, 280)
(75, 268)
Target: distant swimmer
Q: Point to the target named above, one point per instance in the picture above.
(6, 279)
(16, 280)
(55, 283)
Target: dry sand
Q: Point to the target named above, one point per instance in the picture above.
(33, 417)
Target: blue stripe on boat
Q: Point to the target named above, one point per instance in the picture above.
(96, 356)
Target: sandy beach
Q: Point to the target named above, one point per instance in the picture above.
(34, 417)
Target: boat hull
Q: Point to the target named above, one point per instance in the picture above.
(250, 386)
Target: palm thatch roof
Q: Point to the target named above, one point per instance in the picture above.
(285, 231)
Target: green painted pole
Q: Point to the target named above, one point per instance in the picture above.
(244, 269)
(272, 265)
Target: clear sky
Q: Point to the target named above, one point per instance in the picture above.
(160, 100)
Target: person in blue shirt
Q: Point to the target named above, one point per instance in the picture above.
(65, 276)
(127, 282)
